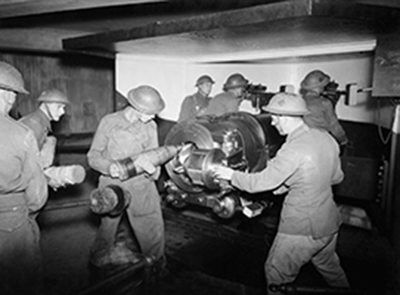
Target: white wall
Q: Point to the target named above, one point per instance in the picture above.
(168, 77)
(175, 79)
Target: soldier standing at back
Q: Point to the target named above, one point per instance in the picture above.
(194, 105)
(229, 100)
(52, 103)
(322, 109)
(51, 108)
(23, 191)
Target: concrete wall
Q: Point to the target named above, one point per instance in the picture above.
(175, 79)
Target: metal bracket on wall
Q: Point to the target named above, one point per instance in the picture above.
(351, 93)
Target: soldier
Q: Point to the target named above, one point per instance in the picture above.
(52, 104)
(23, 191)
(305, 167)
(229, 100)
(120, 135)
(322, 109)
(194, 105)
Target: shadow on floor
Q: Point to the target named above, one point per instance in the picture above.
(184, 280)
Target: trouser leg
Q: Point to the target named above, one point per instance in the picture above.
(126, 236)
(21, 268)
(106, 233)
(287, 255)
(290, 252)
(328, 265)
(149, 231)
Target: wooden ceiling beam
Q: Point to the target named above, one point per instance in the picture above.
(35, 7)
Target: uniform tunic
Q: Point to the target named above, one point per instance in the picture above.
(193, 106)
(223, 103)
(306, 166)
(322, 115)
(115, 139)
(39, 122)
(23, 190)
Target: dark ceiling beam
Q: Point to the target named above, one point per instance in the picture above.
(387, 3)
(35, 7)
(357, 9)
(384, 15)
(231, 18)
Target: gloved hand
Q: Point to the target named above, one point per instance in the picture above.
(55, 183)
(142, 163)
(60, 176)
(115, 170)
(221, 172)
(225, 185)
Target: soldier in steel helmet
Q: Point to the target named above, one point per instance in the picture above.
(194, 105)
(229, 100)
(23, 192)
(305, 168)
(322, 109)
(52, 103)
(120, 135)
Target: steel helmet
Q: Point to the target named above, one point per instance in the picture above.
(146, 99)
(204, 79)
(53, 95)
(289, 104)
(235, 81)
(11, 79)
(315, 79)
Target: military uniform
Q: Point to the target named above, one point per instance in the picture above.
(40, 124)
(223, 103)
(305, 167)
(116, 138)
(322, 115)
(193, 106)
(23, 191)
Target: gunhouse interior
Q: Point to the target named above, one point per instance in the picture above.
(174, 147)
